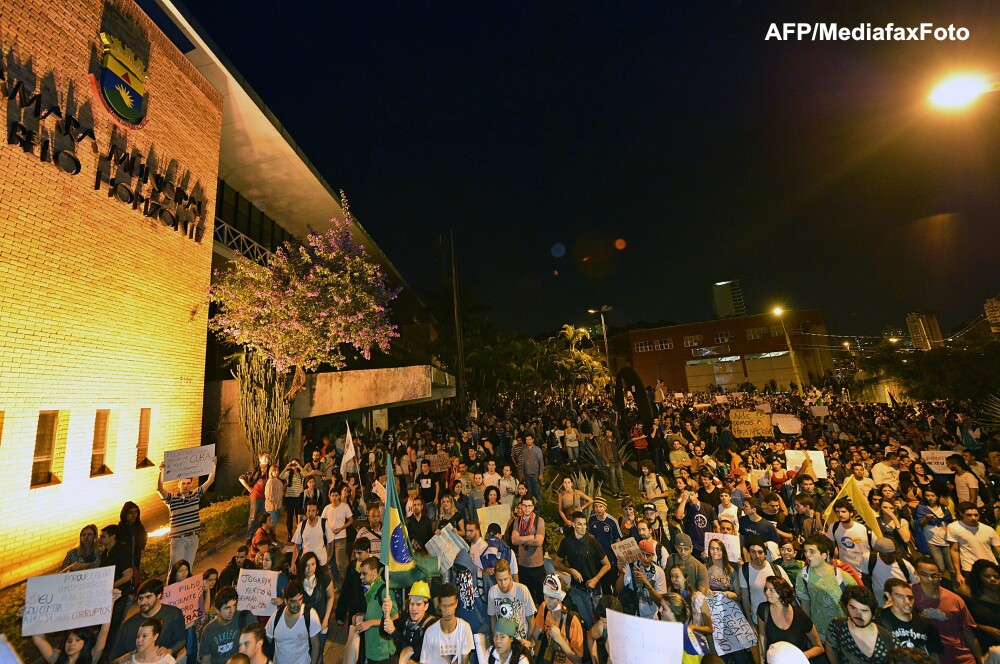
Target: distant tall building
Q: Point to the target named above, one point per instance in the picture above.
(992, 310)
(727, 299)
(924, 330)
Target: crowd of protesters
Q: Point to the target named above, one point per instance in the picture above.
(878, 557)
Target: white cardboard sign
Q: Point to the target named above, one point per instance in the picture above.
(58, 602)
(256, 588)
(189, 462)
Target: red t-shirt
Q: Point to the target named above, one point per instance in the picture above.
(949, 614)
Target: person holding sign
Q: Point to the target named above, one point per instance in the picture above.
(185, 518)
(581, 556)
(80, 645)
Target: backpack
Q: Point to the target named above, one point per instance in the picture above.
(302, 530)
(306, 611)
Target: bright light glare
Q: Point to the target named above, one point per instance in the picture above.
(160, 532)
(777, 311)
(893, 340)
(958, 92)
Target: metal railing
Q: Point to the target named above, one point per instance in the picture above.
(240, 243)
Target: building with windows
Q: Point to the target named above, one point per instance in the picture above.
(727, 352)
(136, 160)
(924, 331)
(727, 299)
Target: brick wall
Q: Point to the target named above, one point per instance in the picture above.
(100, 306)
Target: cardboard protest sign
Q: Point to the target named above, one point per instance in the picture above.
(256, 588)
(795, 458)
(439, 462)
(445, 546)
(750, 423)
(787, 424)
(721, 398)
(764, 407)
(935, 461)
(820, 411)
(731, 630)
(635, 640)
(737, 395)
(731, 542)
(627, 551)
(190, 462)
(188, 596)
(493, 514)
(57, 602)
(379, 490)
(679, 395)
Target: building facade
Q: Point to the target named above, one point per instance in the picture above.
(106, 225)
(924, 330)
(727, 299)
(728, 352)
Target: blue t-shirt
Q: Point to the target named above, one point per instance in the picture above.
(764, 528)
(607, 531)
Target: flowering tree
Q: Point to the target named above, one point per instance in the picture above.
(308, 300)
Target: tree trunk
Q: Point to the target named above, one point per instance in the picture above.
(298, 383)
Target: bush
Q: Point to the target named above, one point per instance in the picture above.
(219, 523)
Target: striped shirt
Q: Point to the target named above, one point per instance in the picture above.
(184, 516)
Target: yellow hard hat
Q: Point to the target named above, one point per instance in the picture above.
(420, 589)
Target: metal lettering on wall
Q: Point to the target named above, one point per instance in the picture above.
(130, 177)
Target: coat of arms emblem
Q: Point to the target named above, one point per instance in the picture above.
(123, 81)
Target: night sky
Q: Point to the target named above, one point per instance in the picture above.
(813, 172)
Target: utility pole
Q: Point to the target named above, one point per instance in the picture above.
(459, 344)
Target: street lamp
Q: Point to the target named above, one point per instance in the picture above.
(960, 91)
(607, 355)
(778, 311)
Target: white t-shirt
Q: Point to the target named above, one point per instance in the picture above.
(491, 479)
(441, 648)
(166, 659)
(758, 579)
(852, 543)
(964, 484)
(973, 545)
(291, 644)
(336, 517)
(516, 605)
(310, 538)
(883, 573)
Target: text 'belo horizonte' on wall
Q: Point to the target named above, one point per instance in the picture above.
(131, 178)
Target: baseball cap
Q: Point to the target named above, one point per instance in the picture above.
(506, 626)
(885, 545)
(683, 539)
(554, 586)
(647, 546)
(649, 507)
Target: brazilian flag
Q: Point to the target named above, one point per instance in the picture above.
(397, 555)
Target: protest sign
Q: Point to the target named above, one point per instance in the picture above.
(445, 546)
(820, 411)
(935, 461)
(188, 596)
(190, 462)
(635, 640)
(731, 630)
(627, 551)
(439, 462)
(795, 458)
(721, 398)
(764, 407)
(787, 424)
(379, 491)
(63, 601)
(256, 588)
(750, 423)
(493, 514)
(678, 395)
(702, 405)
(731, 542)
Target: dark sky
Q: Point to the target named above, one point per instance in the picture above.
(812, 171)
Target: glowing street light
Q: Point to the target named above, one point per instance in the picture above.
(778, 311)
(960, 91)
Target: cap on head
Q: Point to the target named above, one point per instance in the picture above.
(554, 586)
(649, 507)
(885, 545)
(647, 546)
(683, 539)
(506, 626)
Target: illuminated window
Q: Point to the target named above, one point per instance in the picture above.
(100, 452)
(46, 453)
(663, 344)
(142, 445)
(723, 337)
(643, 346)
(692, 340)
(757, 333)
